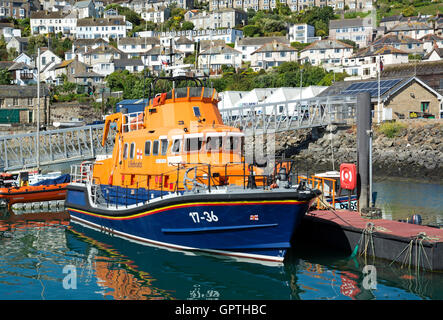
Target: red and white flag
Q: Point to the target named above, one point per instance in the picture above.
(253, 217)
(139, 154)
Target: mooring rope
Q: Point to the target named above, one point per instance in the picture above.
(416, 241)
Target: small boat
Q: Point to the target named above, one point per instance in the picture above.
(329, 183)
(178, 179)
(69, 124)
(44, 190)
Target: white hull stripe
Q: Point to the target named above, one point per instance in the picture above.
(174, 246)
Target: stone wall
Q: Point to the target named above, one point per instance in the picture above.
(67, 111)
(416, 152)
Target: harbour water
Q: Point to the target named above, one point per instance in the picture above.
(45, 256)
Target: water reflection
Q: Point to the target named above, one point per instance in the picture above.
(36, 247)
(400, 199)
(178, 275)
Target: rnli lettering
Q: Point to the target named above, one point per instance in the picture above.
(205, 216)
(134, 164)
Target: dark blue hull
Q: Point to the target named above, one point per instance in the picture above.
(250, 225)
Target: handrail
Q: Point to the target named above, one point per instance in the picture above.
(204, 177)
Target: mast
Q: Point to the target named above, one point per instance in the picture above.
(38, 109)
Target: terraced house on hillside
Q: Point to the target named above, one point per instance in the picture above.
(212, 59)
(326, 52)
(272, 54)
(106, 28)
(43, 22)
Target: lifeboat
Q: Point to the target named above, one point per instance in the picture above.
(177, 178)
(45, 190)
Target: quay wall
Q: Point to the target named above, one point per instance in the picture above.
(416, 151)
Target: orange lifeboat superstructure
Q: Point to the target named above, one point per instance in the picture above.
(177, 130)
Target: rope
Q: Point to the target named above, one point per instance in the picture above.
(328, 206)
(417, 242)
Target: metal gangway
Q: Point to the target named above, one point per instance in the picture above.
(291, 115)
(19, 151)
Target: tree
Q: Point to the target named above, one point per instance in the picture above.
(283, 9)
(321, 28)
(187, 25)
(3, 50)
(271, 25)
(408, 11)
(5, 76)
(36, 42)
(252, 31)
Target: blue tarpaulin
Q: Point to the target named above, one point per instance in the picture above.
(64, 178)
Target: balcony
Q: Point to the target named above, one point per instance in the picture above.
(26, 76)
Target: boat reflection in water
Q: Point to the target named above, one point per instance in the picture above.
(135, 271)
(37, 247)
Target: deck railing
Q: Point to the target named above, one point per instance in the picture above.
(198, 178)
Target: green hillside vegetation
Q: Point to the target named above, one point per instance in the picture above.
(288, 74)
(407, 8)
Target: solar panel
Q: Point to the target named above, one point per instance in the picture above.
(371, 87)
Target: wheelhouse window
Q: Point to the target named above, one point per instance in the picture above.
(214, 143)
(132, 151)
(125, 151)
(193, 144)
(232, 143)
(164, 146)
(148, 148)
(155, 147)
(176, 146)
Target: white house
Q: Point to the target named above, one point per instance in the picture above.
(47, 57)
(272, 54)
(413, 29)
(135, 46)
(185, 45)
(102, 54)
(84, 9)
(106, 28)
(20, 44)
(132, 65)
(303, 33)
(103, 68)
(220, 18)
(9, 32)
(26, 59)
(366, 62)
(212, 59)
(246, 46)
(159, 15)
(359, 30)
(43, 22)
(159, 57)
(227, 35)
(435, 55)
(23, 74)
(430, 41)
(326, 52)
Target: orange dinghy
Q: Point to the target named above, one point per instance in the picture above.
(46, 190)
